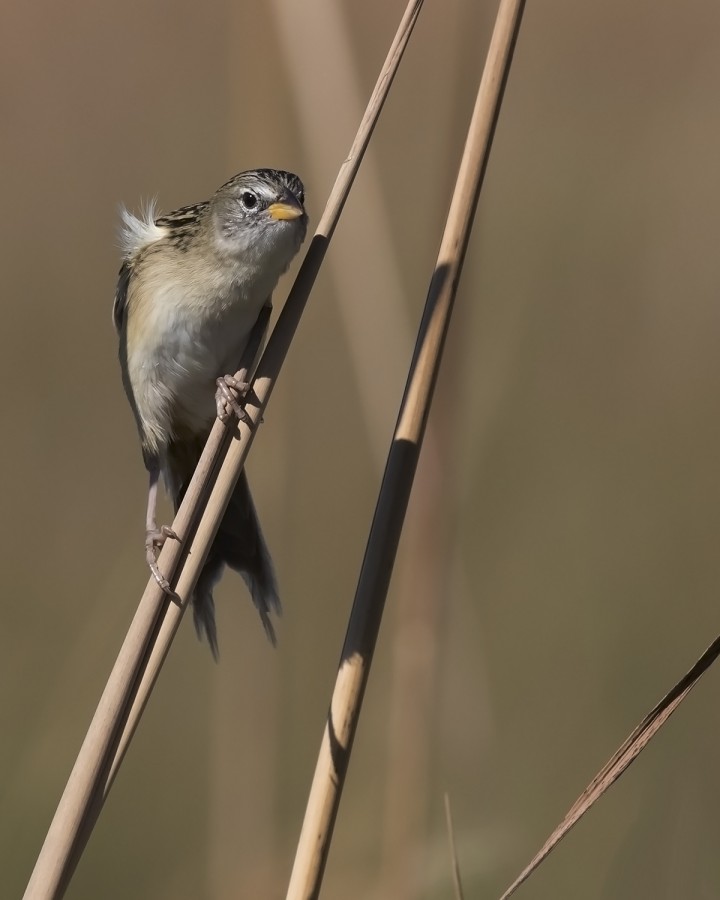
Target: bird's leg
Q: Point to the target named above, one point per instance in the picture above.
(155, 537)
(232, 390)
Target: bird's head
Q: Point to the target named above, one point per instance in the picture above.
(259, 218)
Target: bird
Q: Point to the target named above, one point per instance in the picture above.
(192, 285)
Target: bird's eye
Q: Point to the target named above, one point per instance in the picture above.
(248, 200)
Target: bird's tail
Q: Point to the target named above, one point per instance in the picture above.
(239, 544)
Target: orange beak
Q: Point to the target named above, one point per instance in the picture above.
(284, 211)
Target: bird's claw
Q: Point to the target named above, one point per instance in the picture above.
(229, 398)
(154, 540)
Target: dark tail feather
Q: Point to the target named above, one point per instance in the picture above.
(238, 544)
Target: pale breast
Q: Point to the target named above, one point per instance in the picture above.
(178, 345)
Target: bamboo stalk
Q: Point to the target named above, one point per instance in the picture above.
(150, 634)
(363, 627)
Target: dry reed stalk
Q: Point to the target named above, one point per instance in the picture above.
(618, 763)
(91, 775)
(457, 881)
(361, 308)
(366, 615)
(150, 634)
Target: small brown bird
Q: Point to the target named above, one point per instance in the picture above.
(190, 290)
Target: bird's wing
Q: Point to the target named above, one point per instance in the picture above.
(121, 294)
(186, 215)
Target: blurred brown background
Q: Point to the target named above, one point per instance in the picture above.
(560, 565)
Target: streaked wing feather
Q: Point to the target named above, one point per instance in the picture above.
(179, 218)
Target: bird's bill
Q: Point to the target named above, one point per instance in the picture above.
(284, 211)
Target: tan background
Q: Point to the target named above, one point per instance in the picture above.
(561, 567)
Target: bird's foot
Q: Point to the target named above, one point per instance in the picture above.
(154, 540)
(230, 398)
